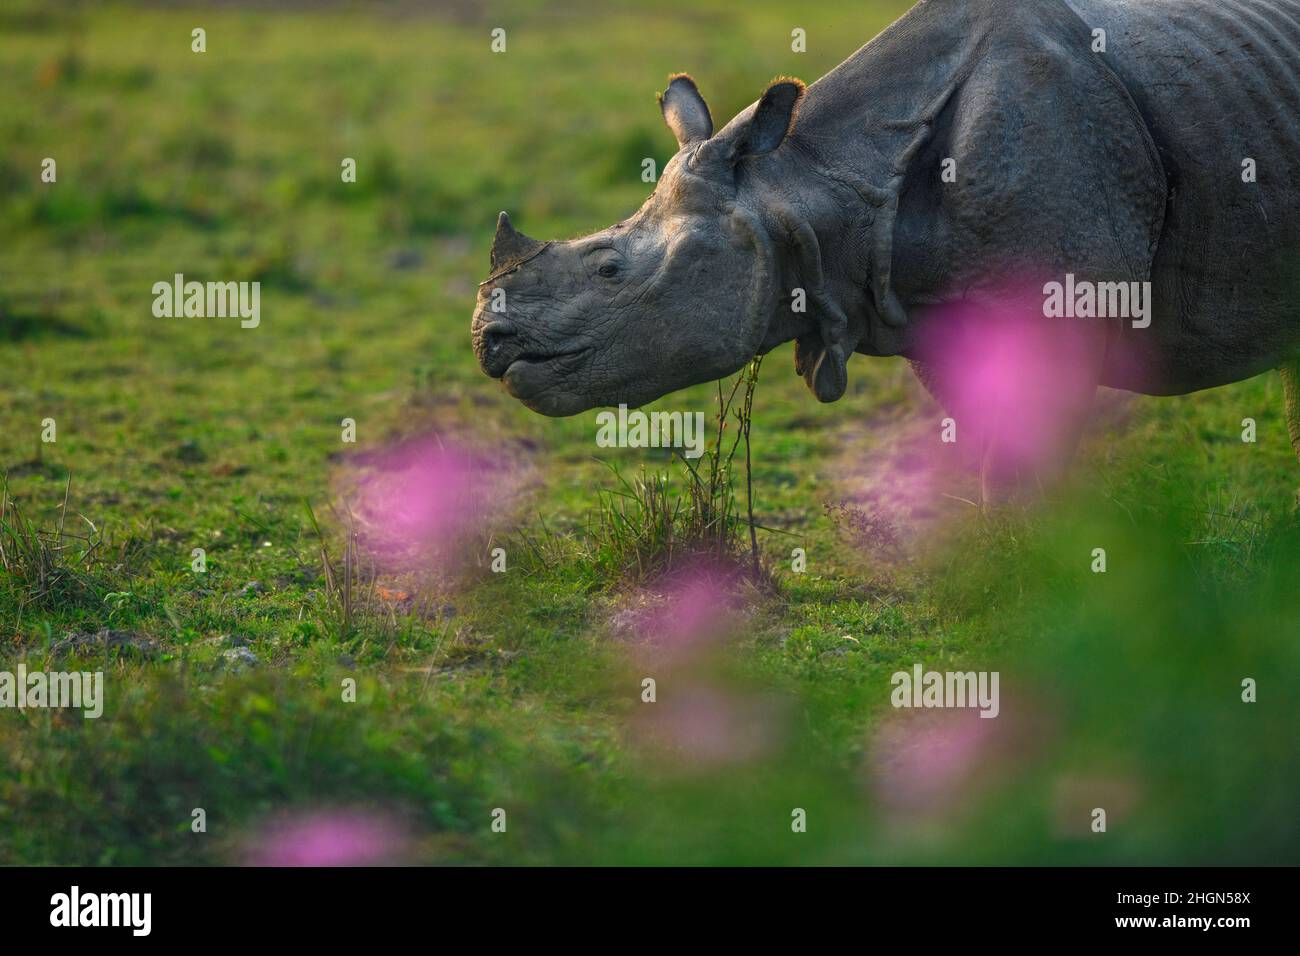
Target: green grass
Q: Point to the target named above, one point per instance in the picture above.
(515, 690)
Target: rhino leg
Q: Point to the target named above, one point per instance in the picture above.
(1290, 370)
(1020, 390)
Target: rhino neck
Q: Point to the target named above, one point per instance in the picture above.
(840, 175)
(822, 233)
(812, 223)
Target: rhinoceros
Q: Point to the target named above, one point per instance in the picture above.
(1151, 144)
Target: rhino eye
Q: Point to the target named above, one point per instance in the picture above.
(604, 262)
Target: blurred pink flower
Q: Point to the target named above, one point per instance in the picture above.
(1010, 375)
(329, 838)
(690, 606)
(705, 727)
(424, 498)
(927, 759)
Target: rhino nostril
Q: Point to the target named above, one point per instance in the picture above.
(496, 335)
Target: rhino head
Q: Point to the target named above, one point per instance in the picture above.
(684, 291)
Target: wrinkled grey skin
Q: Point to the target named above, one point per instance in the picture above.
(1122, 165)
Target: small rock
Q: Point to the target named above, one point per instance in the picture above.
(251, 588)
(402, 259)
(624, 623)
(189, 451)
(126, 641)
(238, 658)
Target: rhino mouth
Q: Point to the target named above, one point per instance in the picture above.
(533, 372)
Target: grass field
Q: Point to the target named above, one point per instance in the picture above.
(519, 690)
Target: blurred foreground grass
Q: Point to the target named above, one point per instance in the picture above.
(1119, 690)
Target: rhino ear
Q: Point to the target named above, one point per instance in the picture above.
(762, 128)
(773, 118)
(685, 111)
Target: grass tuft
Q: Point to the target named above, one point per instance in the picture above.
(645, 525)
(350, 581)
(45, 568)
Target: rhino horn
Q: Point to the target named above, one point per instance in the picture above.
(510, 246)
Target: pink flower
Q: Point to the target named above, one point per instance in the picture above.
(928, 760)
(689, 607)
(417, 503)
(698, 727)
(329, 838)
(1011, 376)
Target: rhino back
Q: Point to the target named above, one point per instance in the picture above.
(1217, 82)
